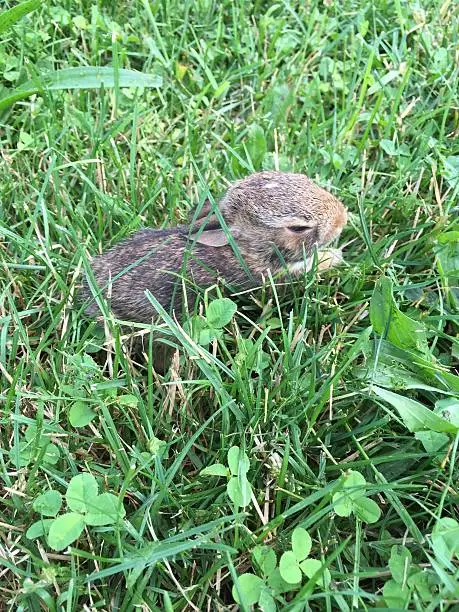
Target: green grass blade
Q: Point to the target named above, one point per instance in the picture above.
(87, 77)
(14, 14)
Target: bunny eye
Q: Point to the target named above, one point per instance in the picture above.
(299, 229)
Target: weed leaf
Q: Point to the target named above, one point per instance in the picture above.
(220, 312)
(65, 529)
(104, 509)
(395, 595)
(415, 415)
(301, 543)
(367, 510)
(310, 566)
(399, 563)
(39, 528)
(217, 469)
(239, 495)
(238, 462)
(289, 567)
(445, 539)
(250, 587)
(265, 559)
(81, 414)
(48, 503)
(389, 322)
(81, 492)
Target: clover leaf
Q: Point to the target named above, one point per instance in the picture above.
(250, 587)
(352, 499)
(87, 508)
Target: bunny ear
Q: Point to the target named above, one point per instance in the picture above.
(213, 237)
(212, 233)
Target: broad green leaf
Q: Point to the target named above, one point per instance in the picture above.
(432, 441)
(367, 510)
(81, 414)
(355, 482)
(277, 101)
(220, 312)
(86, 77)
(157, 447)
(199, 329)
(80, 22)
(81, 492)
(353, 488)
(195, 326)
(447, 260)
(64, 530)
(395, 595)
(233, 460)
(28, 447)
(238, 461)
(31, 435)
(310, 566)
(447, 237)
(128, 400)
(394, 376)
(104, 509)
(48, 503)
(52, 454)
(381, 82)
(448, 409)
(14, 14)
(93, 77)
(39, 528)
(445, 539)
(256, 145)
(278, 584)
(207, 334)
(265, 558)
(289, 567)
(388, 147)
(415, 415)
(301, 543)
(433, 373)
(286, 43)
(24, 450)
(239, 495)
(399, 563)
(250, 587)
(245, 348)
(422, 581)
(342, 503)
(266, 601)
(452, 380)
(217, 469)
(451, 170)
(389, 322)
(250, 357)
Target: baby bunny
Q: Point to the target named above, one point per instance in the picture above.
(267, 221)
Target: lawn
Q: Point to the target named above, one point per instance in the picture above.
(301, 451)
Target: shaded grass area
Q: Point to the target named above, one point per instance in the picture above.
(362, 98)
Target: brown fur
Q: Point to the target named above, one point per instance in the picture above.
(258, 212)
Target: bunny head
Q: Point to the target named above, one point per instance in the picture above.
(276, 218)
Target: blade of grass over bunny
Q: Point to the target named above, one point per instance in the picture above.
(300, 448)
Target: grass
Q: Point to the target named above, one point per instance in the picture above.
(363, 98)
